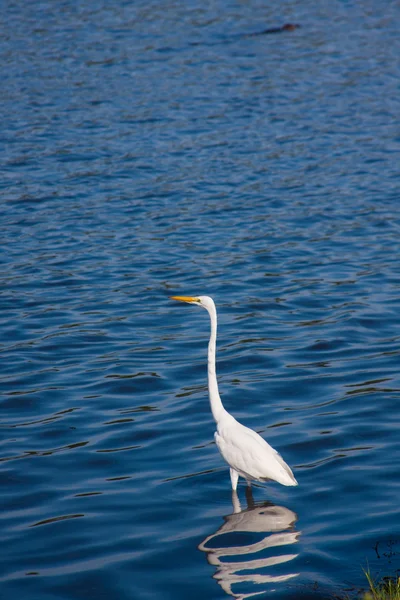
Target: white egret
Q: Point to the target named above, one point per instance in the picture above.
(245, 451)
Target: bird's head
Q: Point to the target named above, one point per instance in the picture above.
(204, 301)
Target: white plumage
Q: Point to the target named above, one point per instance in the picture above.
(245, 451)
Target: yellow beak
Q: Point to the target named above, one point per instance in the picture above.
(184, 298)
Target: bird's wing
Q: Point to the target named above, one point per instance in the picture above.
(247, 452)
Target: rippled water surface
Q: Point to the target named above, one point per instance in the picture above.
(152, 149)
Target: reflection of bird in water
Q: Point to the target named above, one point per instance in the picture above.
(265, 518)
(245, 451)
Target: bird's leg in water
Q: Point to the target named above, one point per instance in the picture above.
(235, 502)
(234, 478)
(249, 497)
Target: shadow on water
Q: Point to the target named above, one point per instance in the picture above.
(252, 539)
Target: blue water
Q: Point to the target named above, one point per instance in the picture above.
(152, 149)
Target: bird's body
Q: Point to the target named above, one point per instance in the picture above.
(249, 455)
(245, 451)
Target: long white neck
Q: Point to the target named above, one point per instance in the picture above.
(217, 408)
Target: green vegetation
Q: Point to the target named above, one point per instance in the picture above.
(388, 588)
